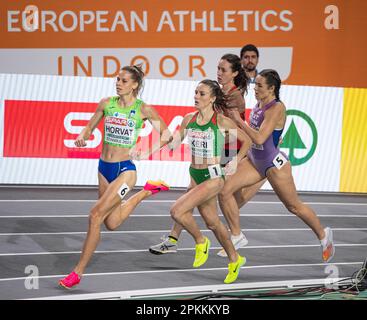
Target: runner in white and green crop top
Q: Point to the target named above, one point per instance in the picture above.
(206, 143)
(205, 130)
(123, 118)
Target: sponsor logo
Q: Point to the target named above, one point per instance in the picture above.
(118, 121)
(301, 148)
(131, 123)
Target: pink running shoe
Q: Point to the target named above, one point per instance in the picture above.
(70, 281)
(156, 186)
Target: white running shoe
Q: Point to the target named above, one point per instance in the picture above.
(164, 247)
(327, 245)
(238, 242)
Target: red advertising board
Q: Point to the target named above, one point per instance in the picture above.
(45, 129)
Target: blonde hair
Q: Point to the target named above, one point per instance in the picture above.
(137, 74)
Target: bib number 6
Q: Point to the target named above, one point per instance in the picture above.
(124, 189)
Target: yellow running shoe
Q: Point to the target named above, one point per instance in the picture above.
(202, 253)
(234, 269)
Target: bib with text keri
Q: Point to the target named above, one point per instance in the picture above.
(205, 141)
(122, 125)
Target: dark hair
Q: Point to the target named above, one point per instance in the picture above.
(216, 91)
(272, 79)
(242, 79)
(249, 47)
(137, 75)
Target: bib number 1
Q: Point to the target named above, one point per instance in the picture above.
(280, 160)
(215, 171)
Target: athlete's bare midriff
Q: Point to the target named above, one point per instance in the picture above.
(201, 163)
(114, 153)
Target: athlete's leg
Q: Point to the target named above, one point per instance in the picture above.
(181, 211)
(102, 185)
(108, 201)
(169, 243)
(282, 182)
(247, 193)
(120, 213)
(177, 228)
(208, 211)
(245, 176)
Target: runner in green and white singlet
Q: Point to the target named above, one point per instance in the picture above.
(205, 130)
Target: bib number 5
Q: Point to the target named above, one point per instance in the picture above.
(280, 160)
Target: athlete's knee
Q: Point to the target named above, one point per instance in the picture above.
(246, 195)
(96, 215)
(213, 224)
(294, 208)
(176, 213)
(225, 193)
(110, 226)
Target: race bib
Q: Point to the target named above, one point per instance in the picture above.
(215, 171)
(120, 131)
(280, 160)
(122, 192)
(201, 143)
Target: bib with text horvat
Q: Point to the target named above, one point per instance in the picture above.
(122, 125)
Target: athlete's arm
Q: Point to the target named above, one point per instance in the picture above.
(92, 124)
(272, 118)
(227, 125)
(234, 115)
(179, 135)
(150, 114)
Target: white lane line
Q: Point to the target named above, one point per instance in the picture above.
(284, 215)
(171, 292)
(171, 201)
(49, 216)
(190, 270)
(163, 231)
(181, 249)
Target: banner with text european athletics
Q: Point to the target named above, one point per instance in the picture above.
(317, 43)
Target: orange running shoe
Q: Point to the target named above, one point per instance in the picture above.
(70, 281)
(156, 186)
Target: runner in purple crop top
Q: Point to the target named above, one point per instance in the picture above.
(267, 155)
(266, 160)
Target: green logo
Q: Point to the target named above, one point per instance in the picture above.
(292, 139)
